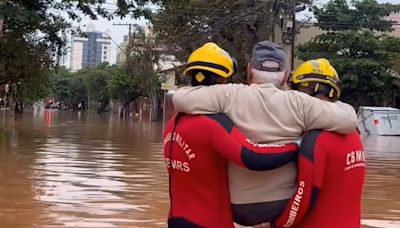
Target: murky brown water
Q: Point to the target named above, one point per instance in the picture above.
(381, 198)
(61, 169)
(58, 169)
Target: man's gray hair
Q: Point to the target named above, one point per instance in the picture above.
(276, 77)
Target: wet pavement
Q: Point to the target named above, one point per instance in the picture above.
(64, 169)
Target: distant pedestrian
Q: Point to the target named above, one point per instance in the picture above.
(19, 107)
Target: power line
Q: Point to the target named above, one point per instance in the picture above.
(219, 28)
(116, 43)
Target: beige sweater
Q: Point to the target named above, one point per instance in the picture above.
(265, 114)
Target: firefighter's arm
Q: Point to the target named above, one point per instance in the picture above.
(311, 166)
(234, 146)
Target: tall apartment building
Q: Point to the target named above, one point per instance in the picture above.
(89, 50)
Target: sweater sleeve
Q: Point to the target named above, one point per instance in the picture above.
(311, 168)
(203, 99)
(332, 116)
(235, 147)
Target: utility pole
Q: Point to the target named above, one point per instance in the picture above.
(125, 110)
(288, 29)
(294, 30)
(276, 8)
(130, 38)
(130, 35)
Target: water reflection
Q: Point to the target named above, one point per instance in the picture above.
(90, 171)
(381, 198)
(64, 169)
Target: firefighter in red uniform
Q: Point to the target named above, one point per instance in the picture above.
(197, 149)
(331, 166)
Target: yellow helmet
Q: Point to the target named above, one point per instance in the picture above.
(316, 72)
(211, 57)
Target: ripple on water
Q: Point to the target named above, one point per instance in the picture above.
(89, 173)
(382, 185)
(63, 169)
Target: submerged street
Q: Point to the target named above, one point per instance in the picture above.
(70, 169)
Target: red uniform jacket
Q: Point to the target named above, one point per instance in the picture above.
(197, 149)
(330, 181)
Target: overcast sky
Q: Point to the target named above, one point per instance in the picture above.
(118, 32)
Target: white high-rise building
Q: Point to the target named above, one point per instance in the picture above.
(90, 49)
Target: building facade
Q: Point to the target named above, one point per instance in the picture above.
(395, 18)
(89, 50)
(121, 51)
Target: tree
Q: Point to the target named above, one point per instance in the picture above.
(143, 56)
(68, 87)
(357, 43)
(34, 34)
(29, 18)
(78, 91)
(123, 87)
(96, 82)
(235, 25)
(24, 63)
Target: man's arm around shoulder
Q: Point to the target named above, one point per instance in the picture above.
(332, 116)
(204, 99)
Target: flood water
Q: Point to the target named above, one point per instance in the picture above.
(64, 169)
(381, 198)
(61, 169)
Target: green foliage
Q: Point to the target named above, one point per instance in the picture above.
(29, 18)
(34, 89)
(63, 89)
(99, 84)
(143, 56)
(78, 90)
(68, 87)
(356, 44)
(339, 15)
(122, 87)
(235, 25)
(24, 66)
(34, 36)
(96, 82)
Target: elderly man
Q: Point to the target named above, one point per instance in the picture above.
(266, 114)
(198, 147)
